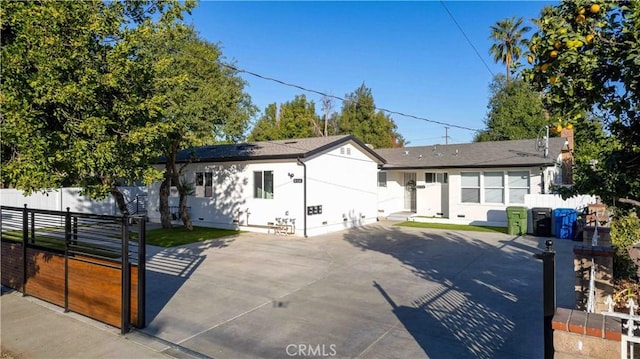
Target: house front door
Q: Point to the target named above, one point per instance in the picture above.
(410, 191)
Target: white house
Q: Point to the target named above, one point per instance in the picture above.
(310, 186)
(469, 183)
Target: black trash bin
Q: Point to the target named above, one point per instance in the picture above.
(541, 221)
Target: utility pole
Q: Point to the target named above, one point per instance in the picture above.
(546, 142)
(446, 135)
(326, 106)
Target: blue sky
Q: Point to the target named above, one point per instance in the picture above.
(411, 54)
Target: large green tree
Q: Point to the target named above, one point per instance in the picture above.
(292, 119)
(78, 104)
(508, 37)
(587, 60)
(358, 117)
(515, 111)
(202, 102)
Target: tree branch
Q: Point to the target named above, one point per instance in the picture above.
(629, 201)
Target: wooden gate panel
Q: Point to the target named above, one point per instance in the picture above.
(45, 276)
(94, 288)
(95, 291)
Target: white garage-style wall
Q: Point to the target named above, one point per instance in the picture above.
(343, 181)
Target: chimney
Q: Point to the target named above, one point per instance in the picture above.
(567, 156)
(567, 133)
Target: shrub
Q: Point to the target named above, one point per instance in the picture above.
(625, 232)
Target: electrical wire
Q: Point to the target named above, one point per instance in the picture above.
(325, 94)
(234, 68)
(467, 38)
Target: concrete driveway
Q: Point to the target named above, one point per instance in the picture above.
(377, 292)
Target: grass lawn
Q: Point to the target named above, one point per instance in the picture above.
(179, 236)
(453, 227)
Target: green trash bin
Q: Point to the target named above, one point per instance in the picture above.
(517, 220)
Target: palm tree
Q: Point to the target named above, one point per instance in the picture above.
(507, 35)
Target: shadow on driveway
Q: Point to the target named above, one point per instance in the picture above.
(169, 268)
(481, 306)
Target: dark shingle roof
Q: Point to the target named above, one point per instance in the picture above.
(478, 154)
(265, 150)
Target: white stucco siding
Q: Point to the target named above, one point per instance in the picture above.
(344, 182)
(486, 213)
(429, 201)
(232, 203)
(435, 198)
(391, 197)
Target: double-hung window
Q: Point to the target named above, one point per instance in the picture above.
(518, 186)
(382, 179)
(204, 184)
(494, 187)
(263, 184)
(470, 187)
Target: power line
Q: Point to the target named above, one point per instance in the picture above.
(467, 37)
(306, 89)
(343, 99)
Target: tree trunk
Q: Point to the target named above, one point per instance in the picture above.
(120, 201)
(184, 214)
(165, 214)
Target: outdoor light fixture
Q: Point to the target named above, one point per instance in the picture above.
(290, 175)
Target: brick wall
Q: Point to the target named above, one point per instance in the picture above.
(604, 236)
(603, 260)
(577, 334)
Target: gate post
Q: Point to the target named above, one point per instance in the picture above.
(25, 242)
(67, 239)
(548, 294)
(126, 278)
(142, 271)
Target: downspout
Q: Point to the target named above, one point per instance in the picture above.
(304, 196)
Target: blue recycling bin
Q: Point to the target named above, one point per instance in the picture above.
(564, 220)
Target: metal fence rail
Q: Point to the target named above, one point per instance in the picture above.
(113, 241)
(631, 337)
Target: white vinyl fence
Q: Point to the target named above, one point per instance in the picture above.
(61, 198)
(554, 201)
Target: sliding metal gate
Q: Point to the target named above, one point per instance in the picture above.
(90, 264)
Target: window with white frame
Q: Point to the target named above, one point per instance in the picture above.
(199, 184)
(204, 184)
(518, 186)
(470, 187)
(263, 184)
(494, 187)
(436, 177)
(199, 179)
(382, 179)
(208, 184)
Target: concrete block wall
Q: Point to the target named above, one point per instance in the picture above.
(577, 334)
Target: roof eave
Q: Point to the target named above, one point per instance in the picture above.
(497, 165)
